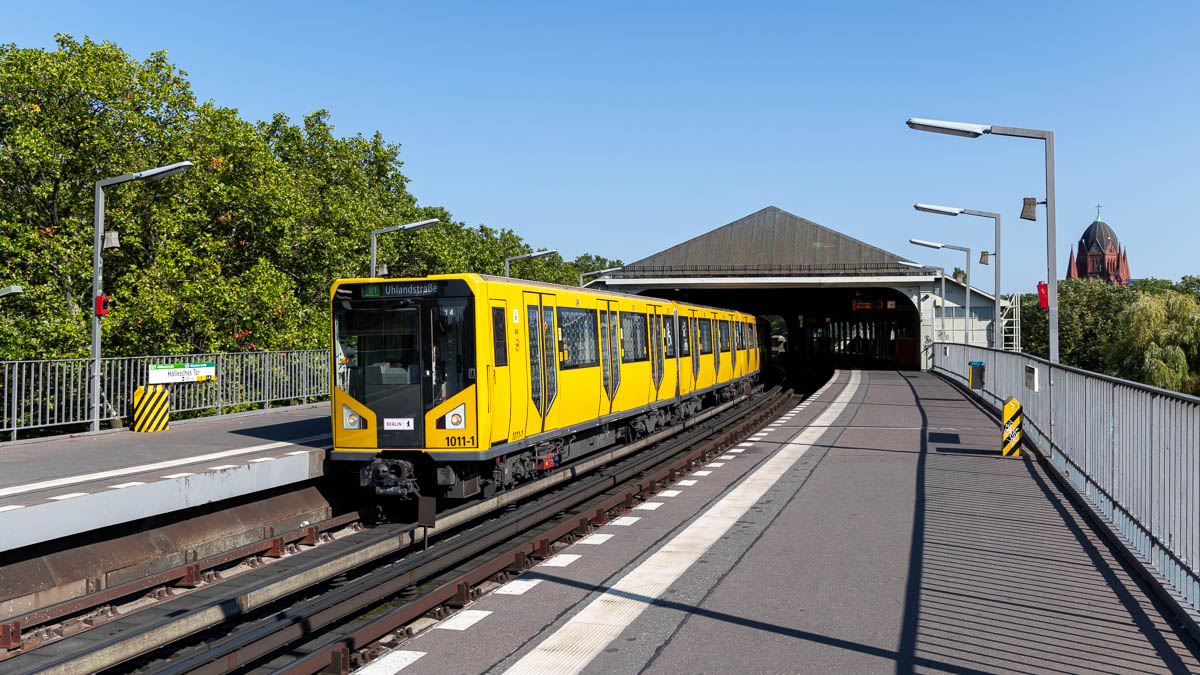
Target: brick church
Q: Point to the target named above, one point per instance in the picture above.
(1100, 256)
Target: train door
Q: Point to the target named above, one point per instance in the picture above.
(610, 353)
(543, 361)
(716, 340)
(733, 348)
(498, 377)
(655, 333)
(683, 341)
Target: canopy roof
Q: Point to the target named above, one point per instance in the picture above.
(770, 242)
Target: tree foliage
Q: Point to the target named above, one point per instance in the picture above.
(238, 253)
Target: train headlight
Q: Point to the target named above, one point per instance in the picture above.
(351, 419)
(457, 418)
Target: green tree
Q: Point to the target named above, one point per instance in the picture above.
(1160, 343)
(1087, 323)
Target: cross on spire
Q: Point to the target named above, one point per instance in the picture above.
(1097, 212)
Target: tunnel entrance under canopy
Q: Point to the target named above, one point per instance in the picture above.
(839, 301)
(867, 327)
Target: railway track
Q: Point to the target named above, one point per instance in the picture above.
(327, 606)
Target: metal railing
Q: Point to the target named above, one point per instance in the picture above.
(50, 393)
(1131, 450)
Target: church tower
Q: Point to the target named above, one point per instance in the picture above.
(1099, 255)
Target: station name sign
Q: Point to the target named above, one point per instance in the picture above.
(401, 290)
(170, 373)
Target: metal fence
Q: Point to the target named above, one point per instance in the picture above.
(1131, 450)
(49, 393)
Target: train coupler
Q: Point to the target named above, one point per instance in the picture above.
(390, 477)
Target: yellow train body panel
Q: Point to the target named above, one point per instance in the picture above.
(462, 366)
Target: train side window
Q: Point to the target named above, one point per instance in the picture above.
(723, 329)
(579, 342)
(635, 342)
(685, 344)
(535, 358)
(668, 330)
(499, 337)
(705, 335)
(741, 335)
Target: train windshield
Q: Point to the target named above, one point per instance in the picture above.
(401, 357)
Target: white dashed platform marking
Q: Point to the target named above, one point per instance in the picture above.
(648, 506)
(464, 619)
(669, 493)
(391, 662)
(687, 483)
(69, 496)
(625, 521)
(12, 507)
(561, 560)
(517, 586)
(595, 539)
(131, 483)
(702, 473)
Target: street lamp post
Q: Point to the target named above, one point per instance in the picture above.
(592, 274)
(98, 245)
(538, 254)
(942, 297)
(395, 228)
(964, 249)
(953, 211)
(977, 130)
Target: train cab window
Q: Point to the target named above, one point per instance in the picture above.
(579, 345)
(499, 337)
(705, 335)
(685, 341)
(635, 342)
(723, 328)
(453, 350)
(668, 331)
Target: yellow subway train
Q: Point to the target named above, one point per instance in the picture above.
(462, 385)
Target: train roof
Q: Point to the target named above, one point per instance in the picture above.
(592, 291)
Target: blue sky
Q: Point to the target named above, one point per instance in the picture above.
(623, 128)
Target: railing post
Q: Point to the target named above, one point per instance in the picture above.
(10, 373)
(219, 380)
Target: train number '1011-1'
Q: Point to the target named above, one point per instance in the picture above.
(461, 441)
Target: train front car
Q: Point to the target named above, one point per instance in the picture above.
(404, 380)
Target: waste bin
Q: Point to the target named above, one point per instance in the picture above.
(975, 374)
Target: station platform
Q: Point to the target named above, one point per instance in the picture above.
(62, 486)
(873, 528)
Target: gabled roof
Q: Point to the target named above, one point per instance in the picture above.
(770, 242)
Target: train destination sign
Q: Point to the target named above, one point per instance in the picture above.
(396, 290)
(170, 373)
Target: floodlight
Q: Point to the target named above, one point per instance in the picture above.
(951, 128)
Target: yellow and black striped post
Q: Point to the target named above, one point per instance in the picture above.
(151, 408)
(1011, 434)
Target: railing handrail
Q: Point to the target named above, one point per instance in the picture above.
(87, 359)
(1187, 398)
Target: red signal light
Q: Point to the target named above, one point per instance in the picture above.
(103, 304)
